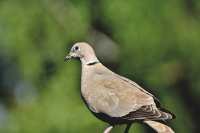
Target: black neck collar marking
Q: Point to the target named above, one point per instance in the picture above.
(93, 63)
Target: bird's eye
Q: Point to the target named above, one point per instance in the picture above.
(76, 48)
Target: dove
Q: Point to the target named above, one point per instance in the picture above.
(115, 99)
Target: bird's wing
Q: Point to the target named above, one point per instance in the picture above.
(148, 113)
(139, 87)
(142, 113)
(117, 97)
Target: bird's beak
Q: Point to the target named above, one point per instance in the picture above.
(68, 57)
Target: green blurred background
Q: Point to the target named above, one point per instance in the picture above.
(153, 42)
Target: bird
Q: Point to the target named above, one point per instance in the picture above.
(115, 99)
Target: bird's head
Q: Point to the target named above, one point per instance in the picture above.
(84, 52)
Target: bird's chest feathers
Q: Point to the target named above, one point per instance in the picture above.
(89, 83)
(94, 92)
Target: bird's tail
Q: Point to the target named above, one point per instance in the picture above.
(165, 115)
(159, 127)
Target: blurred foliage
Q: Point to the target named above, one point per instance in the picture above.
(158, 43)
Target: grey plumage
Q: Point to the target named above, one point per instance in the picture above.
(111, 97)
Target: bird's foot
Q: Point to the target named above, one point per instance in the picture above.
(108, 129)
(127, 128)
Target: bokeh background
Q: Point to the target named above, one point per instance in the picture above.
(153, 42)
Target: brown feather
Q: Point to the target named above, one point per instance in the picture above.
(148, 112)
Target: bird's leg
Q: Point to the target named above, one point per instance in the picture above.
(108, 129)
(127, 127)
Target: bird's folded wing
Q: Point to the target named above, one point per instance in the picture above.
(139, 87)
(148, 113)
(116, 97)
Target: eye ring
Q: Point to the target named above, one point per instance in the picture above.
(76, 48)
